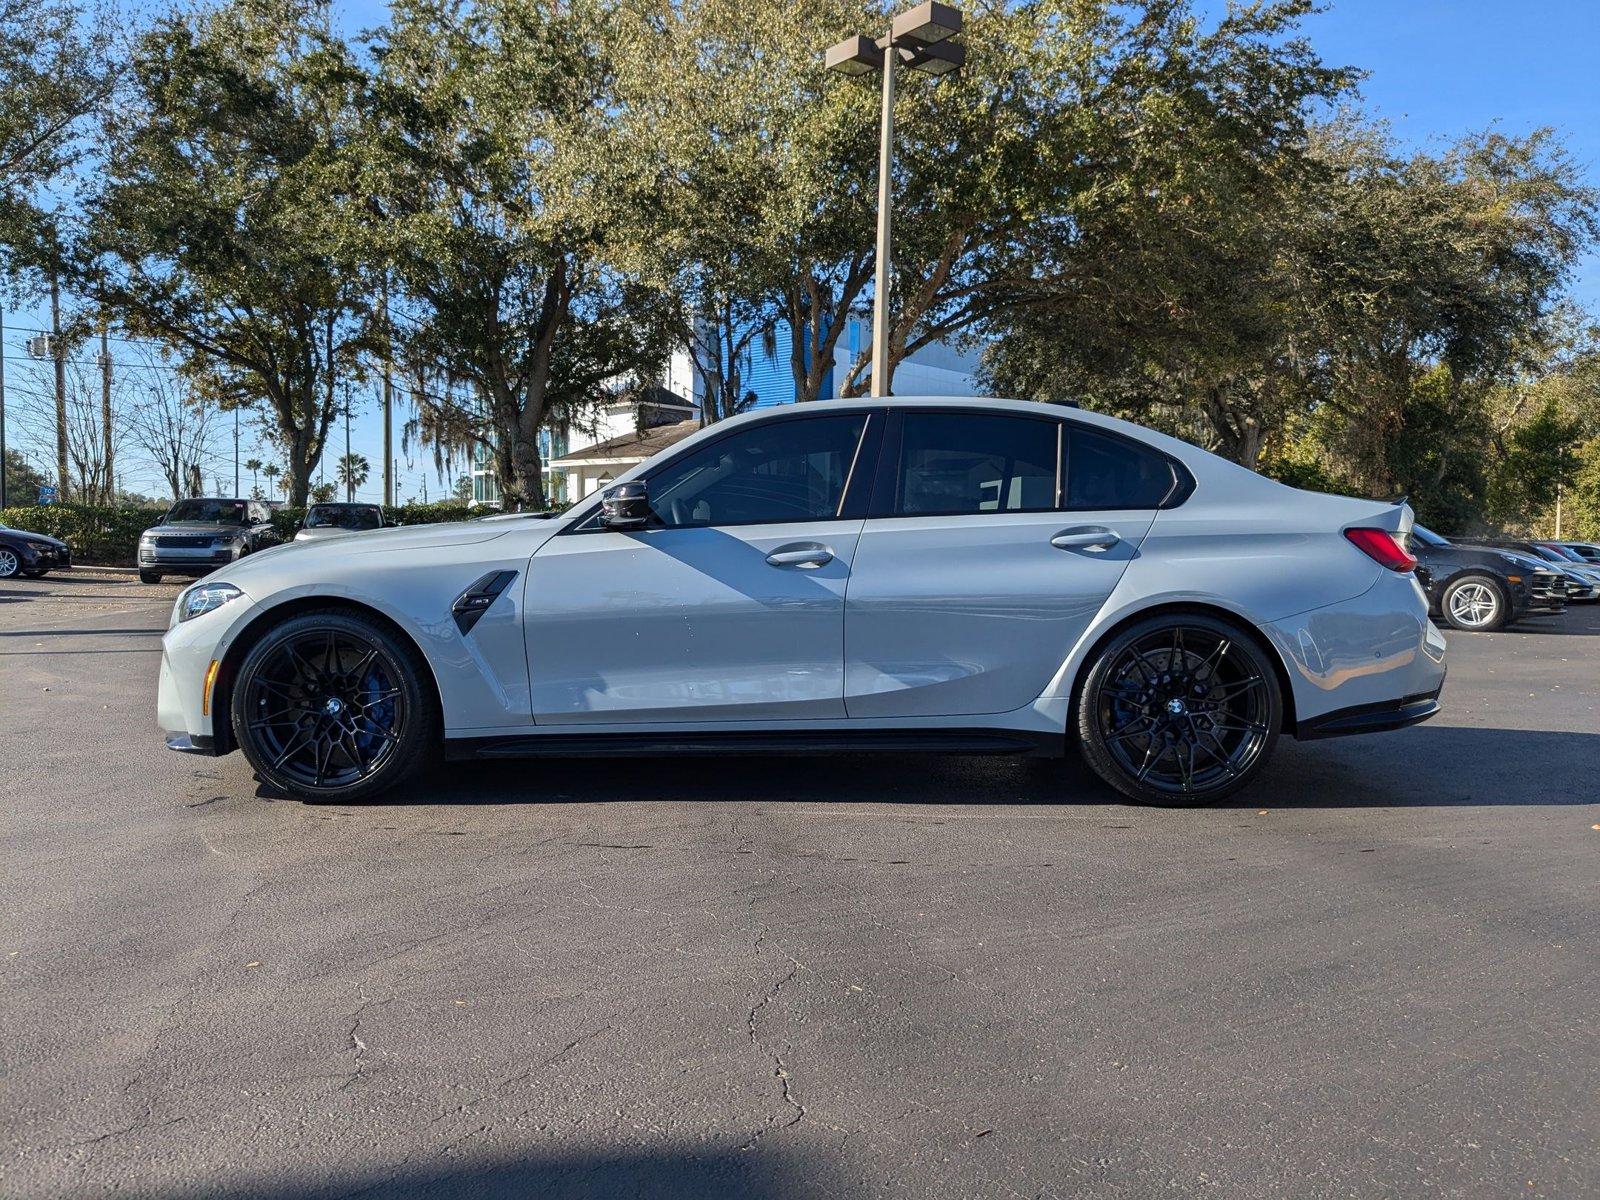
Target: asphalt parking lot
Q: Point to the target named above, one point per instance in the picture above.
(1378, 973)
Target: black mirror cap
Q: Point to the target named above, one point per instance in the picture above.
(626, 506)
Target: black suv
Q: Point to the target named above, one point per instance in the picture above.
(198, 536)
(1481, 588)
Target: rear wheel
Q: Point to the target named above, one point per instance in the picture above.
(1475, 603)
(149, 576)
(330, 706)
(1179, 709)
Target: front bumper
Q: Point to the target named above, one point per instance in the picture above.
(185, 560)
(1547, 592)
(184, 713)
(46, 558)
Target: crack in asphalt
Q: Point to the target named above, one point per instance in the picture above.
(357, 1046)
(780, 1069)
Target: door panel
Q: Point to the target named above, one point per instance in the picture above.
(690, 624)
(968, 614)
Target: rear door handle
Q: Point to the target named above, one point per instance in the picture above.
(801, 554)
(1087, 537)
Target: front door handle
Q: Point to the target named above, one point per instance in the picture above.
(801, 554)
(1087, 537)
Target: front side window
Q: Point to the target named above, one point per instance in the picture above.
(1107, 472)
(957, 463)
(787, 470)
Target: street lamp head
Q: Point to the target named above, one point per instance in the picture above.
(927, 23)
(853, 56)
(942, 58)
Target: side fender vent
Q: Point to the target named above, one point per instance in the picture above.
(475, 601)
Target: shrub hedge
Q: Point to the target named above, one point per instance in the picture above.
(110, 536)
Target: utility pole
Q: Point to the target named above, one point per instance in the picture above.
(349, 478)
(61, 387)
(105, 413)
(235, 449)
(388, 399)
(2, 409)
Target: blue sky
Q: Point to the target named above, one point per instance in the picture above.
(1437, 69)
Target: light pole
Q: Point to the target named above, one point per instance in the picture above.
(919, 38)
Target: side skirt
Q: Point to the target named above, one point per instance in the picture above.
(764, 741)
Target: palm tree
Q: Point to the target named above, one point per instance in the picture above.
(352, 472)
(253, 465)
(271, 471)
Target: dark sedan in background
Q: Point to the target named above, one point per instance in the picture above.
(1483, 588)
(198, 536)
(31, 555)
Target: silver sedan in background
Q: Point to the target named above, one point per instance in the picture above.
(969, 576)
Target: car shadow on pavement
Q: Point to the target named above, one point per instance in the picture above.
(753, 1174)
(1423, 766)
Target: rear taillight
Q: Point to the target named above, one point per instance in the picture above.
(1382, 547)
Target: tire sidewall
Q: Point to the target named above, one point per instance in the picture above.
(1090, 737)
(418, 736)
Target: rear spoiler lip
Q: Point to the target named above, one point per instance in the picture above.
(1395, 518)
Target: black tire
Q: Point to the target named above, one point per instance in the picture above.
(331, 706)
(149, 576)
(1475, 603)
(1180, 708)
(10, 563)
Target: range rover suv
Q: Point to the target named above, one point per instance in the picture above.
(198, 536)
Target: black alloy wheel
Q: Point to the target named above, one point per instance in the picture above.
(329, 706)
(1180, 709)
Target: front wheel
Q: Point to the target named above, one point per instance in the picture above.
(1179, 709)
(149, 576)
(1475, 603)
(330, 706)
(10, 563)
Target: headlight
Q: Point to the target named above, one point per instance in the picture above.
(41, 545)
(227, 539)
(204, 597)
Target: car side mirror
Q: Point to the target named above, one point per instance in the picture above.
(626, 506)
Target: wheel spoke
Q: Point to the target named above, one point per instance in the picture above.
(296, 743)
(382, 697)
(1124, 732)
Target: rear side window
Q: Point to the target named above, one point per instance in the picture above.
(953, 463)
(1107, 472)
(787, 470)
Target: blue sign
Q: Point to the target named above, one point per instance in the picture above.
(47, 495)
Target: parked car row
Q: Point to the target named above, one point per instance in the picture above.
(1481, 585)
(198, 536)
(194, 538)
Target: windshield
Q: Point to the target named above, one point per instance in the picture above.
(1427, 537)
(211, 512)
(1561, 552)
(340, 516)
